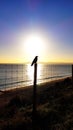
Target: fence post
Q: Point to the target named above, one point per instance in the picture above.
(34, 93)
(72, 75)
(34, 88)
(34, 97)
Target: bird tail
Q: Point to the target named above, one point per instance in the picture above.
(31, 64)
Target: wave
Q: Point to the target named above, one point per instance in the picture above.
(28, 81)
(52, 77)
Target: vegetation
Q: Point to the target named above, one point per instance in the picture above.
(54, 109)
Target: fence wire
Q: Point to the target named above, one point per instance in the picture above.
(21, 75)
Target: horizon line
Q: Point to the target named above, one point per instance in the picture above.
(38, 63)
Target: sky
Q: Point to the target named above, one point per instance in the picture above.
(36, 27)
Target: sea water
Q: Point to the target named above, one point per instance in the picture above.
(22, 75)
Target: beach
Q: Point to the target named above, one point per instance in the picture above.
(36, 65)
(54, 106)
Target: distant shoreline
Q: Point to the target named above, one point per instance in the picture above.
(9, 93)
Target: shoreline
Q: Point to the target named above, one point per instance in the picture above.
(6, 95)
(52, 79)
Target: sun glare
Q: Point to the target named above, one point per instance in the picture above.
(30, 71)
(34, 45)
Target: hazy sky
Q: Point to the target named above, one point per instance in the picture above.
(49, 21)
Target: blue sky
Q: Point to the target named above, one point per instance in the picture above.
(54, 17)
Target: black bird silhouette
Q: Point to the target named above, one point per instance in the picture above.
(35, 60)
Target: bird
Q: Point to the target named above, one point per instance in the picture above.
(34, 60)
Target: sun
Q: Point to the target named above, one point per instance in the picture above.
(34, 44)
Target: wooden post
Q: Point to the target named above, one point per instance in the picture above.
(34, 62)
(72, 75)
(34, 88)
(34, 97)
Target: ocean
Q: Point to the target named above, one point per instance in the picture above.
(21, 75)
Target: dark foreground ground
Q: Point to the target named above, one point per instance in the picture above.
(54, 107)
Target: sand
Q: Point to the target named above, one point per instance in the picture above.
(5, 96)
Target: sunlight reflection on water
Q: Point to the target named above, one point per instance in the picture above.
(30, 71)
